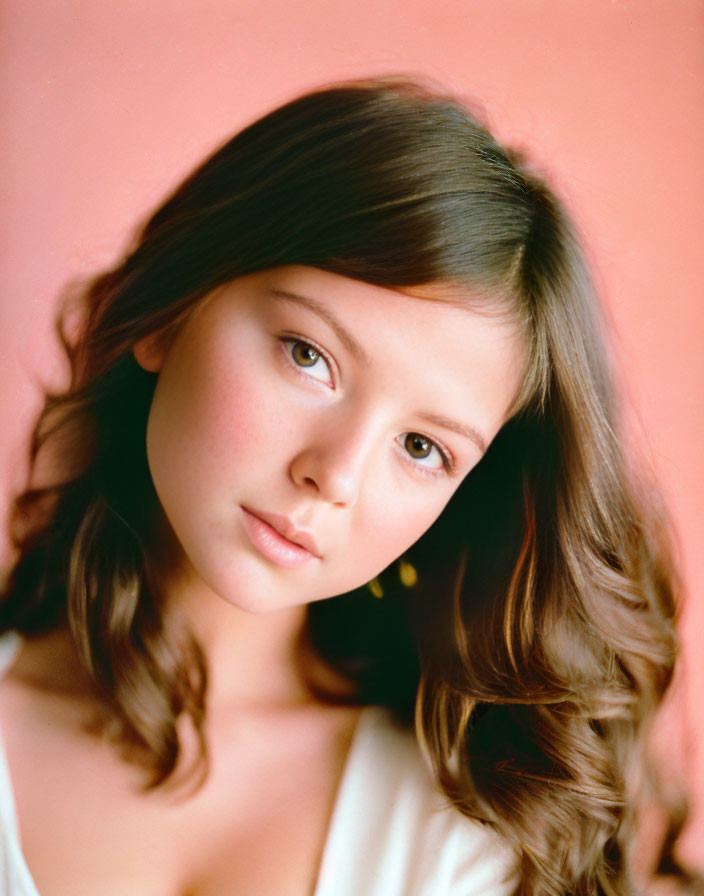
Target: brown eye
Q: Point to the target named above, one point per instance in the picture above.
(417, 445)
(304, 355)
(311, 362)
(424, 452)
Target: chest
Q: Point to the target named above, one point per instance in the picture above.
(257, 826)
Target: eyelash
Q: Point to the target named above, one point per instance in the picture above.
(287, 341)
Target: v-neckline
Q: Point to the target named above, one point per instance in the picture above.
(10, 644)
(355, 763)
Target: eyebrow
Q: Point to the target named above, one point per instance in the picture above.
(463, 429)
(342, 333)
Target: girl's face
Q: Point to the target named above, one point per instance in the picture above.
(307, 428)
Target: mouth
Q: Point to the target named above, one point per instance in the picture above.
(278, 539)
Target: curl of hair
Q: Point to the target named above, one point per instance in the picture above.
(539, 640)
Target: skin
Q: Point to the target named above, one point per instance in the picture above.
(246, 415)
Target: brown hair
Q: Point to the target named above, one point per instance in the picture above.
(539, 639)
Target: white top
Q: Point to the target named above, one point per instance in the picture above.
(392, 833)
(15, 879)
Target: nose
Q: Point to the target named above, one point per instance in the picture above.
(333, 462)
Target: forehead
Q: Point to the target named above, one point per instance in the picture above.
(438, 295)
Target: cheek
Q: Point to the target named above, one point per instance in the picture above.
(392, 529)
(220, 411)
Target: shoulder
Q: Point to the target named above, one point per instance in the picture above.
(394, 833)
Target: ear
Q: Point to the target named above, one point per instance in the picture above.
(150, 352)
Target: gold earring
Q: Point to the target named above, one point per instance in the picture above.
(375, 587)
(407, 573)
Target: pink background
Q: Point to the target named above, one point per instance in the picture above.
(105, 106)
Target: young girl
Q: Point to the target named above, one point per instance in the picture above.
(360, 321)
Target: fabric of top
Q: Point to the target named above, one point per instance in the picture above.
(392, 833)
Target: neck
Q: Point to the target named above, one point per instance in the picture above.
(252, 658)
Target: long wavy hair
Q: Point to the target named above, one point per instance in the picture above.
(538, 639)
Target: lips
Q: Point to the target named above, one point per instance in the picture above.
(278, 539)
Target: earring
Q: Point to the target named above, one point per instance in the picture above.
(375, 587)
(407, 573)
